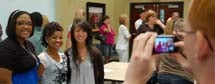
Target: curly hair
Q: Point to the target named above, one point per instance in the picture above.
(49, 30)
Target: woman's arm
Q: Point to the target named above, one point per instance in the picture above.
(160, 24)
(108, 28)
(41, 70)
(126, 33)
(5, 76)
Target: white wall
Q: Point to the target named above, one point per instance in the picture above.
(46, 7)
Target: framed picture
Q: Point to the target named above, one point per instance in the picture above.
(95, 12)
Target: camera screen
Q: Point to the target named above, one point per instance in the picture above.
(164, 45)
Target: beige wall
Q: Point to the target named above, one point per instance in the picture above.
(65, 10)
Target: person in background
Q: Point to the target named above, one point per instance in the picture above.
(85, 60)
(170, 22)
(170, 71)
(79, 14)
(45, 21)
(198, 45)
(36, 38)
(152, 24)
(18, 61)
(123, 39)
(141, 20)
(175, 15)
(107, 31)
(1, 32)
(53, 68)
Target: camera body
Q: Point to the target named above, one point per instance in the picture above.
(165, 44)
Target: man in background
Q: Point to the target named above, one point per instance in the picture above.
(170, 22)
(141, 20)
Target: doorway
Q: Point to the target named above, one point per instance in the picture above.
(164, 10)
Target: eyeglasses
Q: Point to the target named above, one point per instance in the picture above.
(22, 23)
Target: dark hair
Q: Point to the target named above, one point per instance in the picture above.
(0, 31)
(141, 10)
(87, 28)
(37, 18)
(49, 29)
(103, 19)
(11, 25)
(0, 26)
(94, 53)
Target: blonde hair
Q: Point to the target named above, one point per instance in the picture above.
(45, 20)
(122, 19)
(178, 25)
(149, 13)
(202, 16)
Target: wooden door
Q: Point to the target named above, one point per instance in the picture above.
(163, 9)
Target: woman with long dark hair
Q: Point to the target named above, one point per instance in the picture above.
(85, 60)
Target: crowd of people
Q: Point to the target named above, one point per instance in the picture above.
(32, 53)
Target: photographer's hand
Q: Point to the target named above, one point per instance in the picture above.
(142, 62)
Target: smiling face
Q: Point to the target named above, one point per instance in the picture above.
(55, 40)
(23, 27)
(80, 35)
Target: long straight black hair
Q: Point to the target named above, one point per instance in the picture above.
(87, 28)
(94, 53)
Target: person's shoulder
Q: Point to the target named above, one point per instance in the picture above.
(42, 54)
(123, 26)
(138, 20)
(95, 50)
(8, 43)
(143, 26)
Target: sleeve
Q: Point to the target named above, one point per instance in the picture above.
(99, 63)
(137, 24)
(101, 30)
(101, 68)
(158, 29)
(142, 29)
(7, 58)
(125, 32)
(43, 59)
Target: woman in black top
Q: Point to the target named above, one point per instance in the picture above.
(18, 63)
(152, 24)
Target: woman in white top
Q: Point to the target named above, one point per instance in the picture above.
(53, 69)
(123, 39)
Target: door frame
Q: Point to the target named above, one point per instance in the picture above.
(132, 31)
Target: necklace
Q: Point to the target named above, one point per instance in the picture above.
(30, 53)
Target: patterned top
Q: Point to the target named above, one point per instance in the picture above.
(55, 72)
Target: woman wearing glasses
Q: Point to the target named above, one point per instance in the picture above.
(18, 62)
